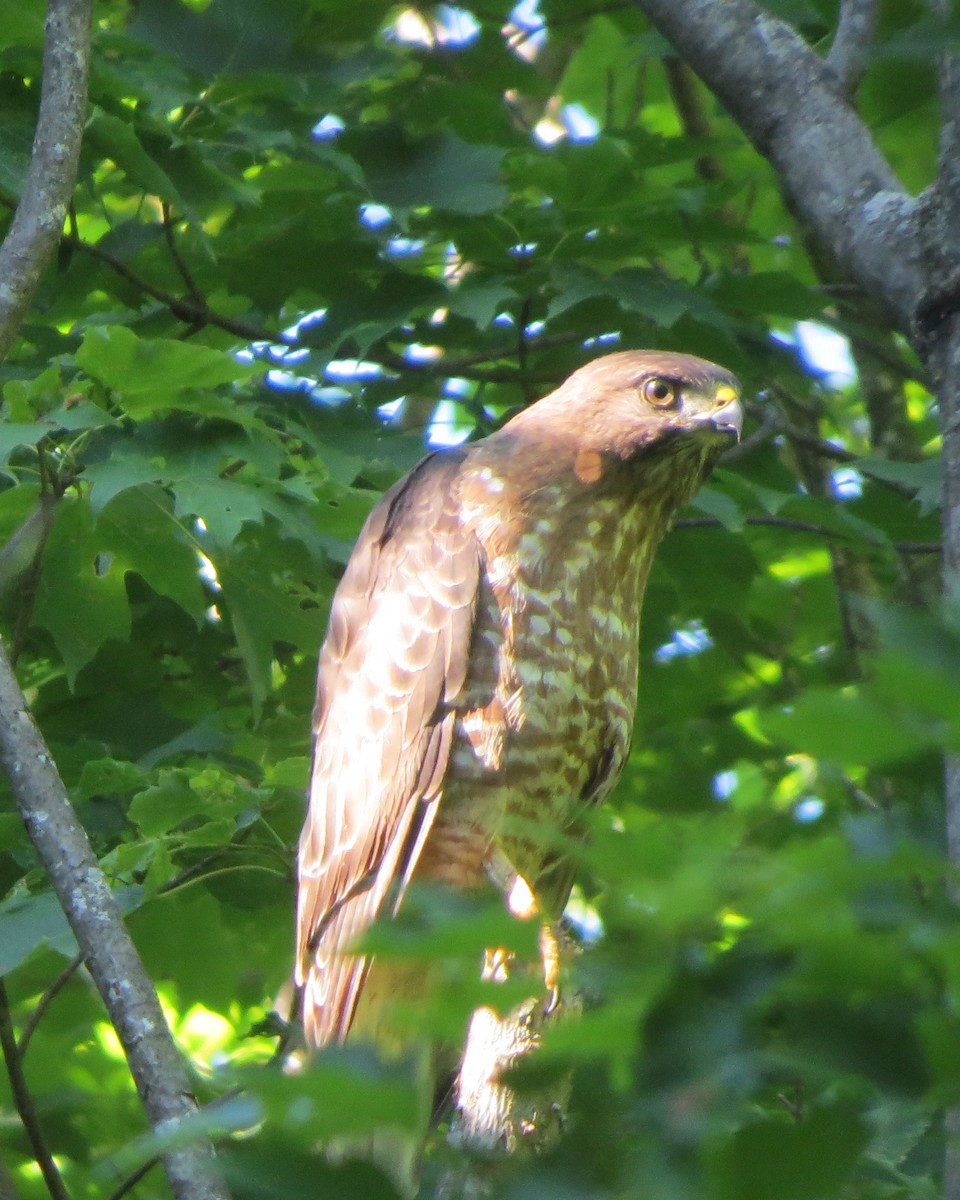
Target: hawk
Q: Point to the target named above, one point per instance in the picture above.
(479, 674)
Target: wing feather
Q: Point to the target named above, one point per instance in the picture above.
(391, 669)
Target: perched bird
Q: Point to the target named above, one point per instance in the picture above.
(479, 675)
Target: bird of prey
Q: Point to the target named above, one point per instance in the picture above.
(479, 675)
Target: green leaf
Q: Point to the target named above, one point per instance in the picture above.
(847, 726)
(223, 506)
(153, 374)
(116, 139)
(602, 74)
(109, 777)
(924, 478)
(719, 505)
(266, 604)
(72, 418)
(635, 289)
(81, 596)
(139, 528)
(167, 804)
(794, 1159)
(28, 922)
(22, 23)
(441, 171)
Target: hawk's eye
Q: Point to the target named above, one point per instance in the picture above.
(661, 392)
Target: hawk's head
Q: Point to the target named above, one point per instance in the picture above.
(623, 401)
(638, 406)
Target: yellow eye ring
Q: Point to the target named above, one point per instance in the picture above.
(660, 392)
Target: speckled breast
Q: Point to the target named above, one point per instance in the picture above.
(545, 722)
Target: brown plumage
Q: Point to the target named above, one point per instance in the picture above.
(479, 674)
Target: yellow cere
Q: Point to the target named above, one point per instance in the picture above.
(725, 394)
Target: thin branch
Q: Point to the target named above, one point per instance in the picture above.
(768, 429)
(112, 959)
(796, 526)
(8, 1189)
(127, 1185)
(23, 1102)
(849, 55)
(39, 525)
(467, 366)
(38, 221)
(197, 313)
(54, 990)
(888, 358)
(688, 102)
(188, 311)
(192, 290)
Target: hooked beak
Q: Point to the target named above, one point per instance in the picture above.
(725, 414)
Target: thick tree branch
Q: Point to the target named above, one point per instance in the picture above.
(944, 348)
(39, 218)
(786, 100)
(111, 957)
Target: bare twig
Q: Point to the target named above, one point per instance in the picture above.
(849, 55)
(192, 290)
(127, 1185)
(688, 102)
(8, 1189)
(190, 312)
(765, 431)
(468, 366)
(52, 489)
(111, 957)
(23, 1101)
(54, 990)
(795, 526)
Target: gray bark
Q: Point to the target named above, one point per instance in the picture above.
(110, 955)
(38, 221)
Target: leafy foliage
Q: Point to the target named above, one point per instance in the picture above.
(288, 216)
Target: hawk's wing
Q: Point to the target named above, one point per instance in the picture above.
(395, 659)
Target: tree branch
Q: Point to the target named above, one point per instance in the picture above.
(40, 1008)
(112, 959)
(183, 270)
(191, 312)
(785, 99)
(23, 1102)
(8, 1189)
(682, 86)
(849, 55)
(38, 221)
(943, 211)
(796, 526)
